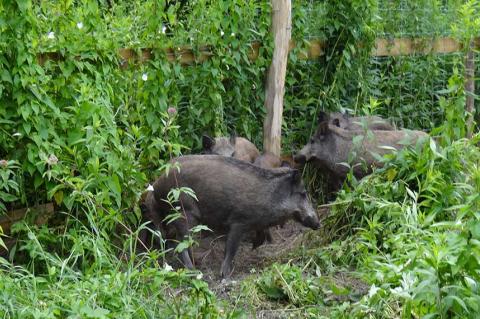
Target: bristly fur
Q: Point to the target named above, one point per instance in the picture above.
(263, 172)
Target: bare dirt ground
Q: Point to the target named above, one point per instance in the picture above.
(209, 253)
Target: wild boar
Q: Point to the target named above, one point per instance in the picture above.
(331, 146)
(356, 123)
(234, 198)
(237, 147)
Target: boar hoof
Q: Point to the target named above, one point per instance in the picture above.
(226, 270)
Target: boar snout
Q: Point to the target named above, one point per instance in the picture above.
(308, 218)
(311, 222)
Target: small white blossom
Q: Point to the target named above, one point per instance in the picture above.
(168, 267)
(233, 34)
(254, 86)
(80, 25)
(228, 68)
(164, 29)
(144, 76)
(199, 276)
(52, 159)
(51, 35)
(150, 188)
(222, 33)
(178, 207)
(373, 290)
(17, 134)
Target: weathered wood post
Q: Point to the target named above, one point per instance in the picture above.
(470, 87)
(275, 86)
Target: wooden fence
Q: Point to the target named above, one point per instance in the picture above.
(314, 48)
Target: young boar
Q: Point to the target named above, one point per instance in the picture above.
(356, 123)
(237, 147)
(234, 198)
(331, 145)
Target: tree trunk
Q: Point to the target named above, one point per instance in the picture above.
(275, 86)
(470, 87)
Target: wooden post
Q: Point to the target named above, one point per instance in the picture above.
(275, 86)
(470, 87)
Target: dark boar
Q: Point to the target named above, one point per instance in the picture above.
(237, 147)
(356, 123)
(234, 197)
(330, 146)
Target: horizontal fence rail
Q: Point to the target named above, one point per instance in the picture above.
(186, 55)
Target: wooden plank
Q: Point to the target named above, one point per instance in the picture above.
(315, 48)
(43, 212)
(407, 46)
(275, 85)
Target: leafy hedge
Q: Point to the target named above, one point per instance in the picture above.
(105, 124)
(88, 134)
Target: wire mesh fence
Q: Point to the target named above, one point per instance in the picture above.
(406, 88)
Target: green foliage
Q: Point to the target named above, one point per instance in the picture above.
(411, 229)
(111, 284)
(87, 130)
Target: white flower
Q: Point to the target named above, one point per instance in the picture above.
(17, 134)
(221, 33)
(52, 159)
(164, 29)
(144, 76)
(150, 188)
(228, 68)
(254, 86)
(233, 34)
(373, 290)
(51, 35)
(168, 267)
(80, 25)
(199, 276)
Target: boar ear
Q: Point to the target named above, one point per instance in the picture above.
(323, 117)
(336, 122)
(322, 129)
(207, 142)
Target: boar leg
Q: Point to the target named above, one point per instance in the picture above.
(182, 225)
(182, 234)
(260, 237)
(231, 246)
